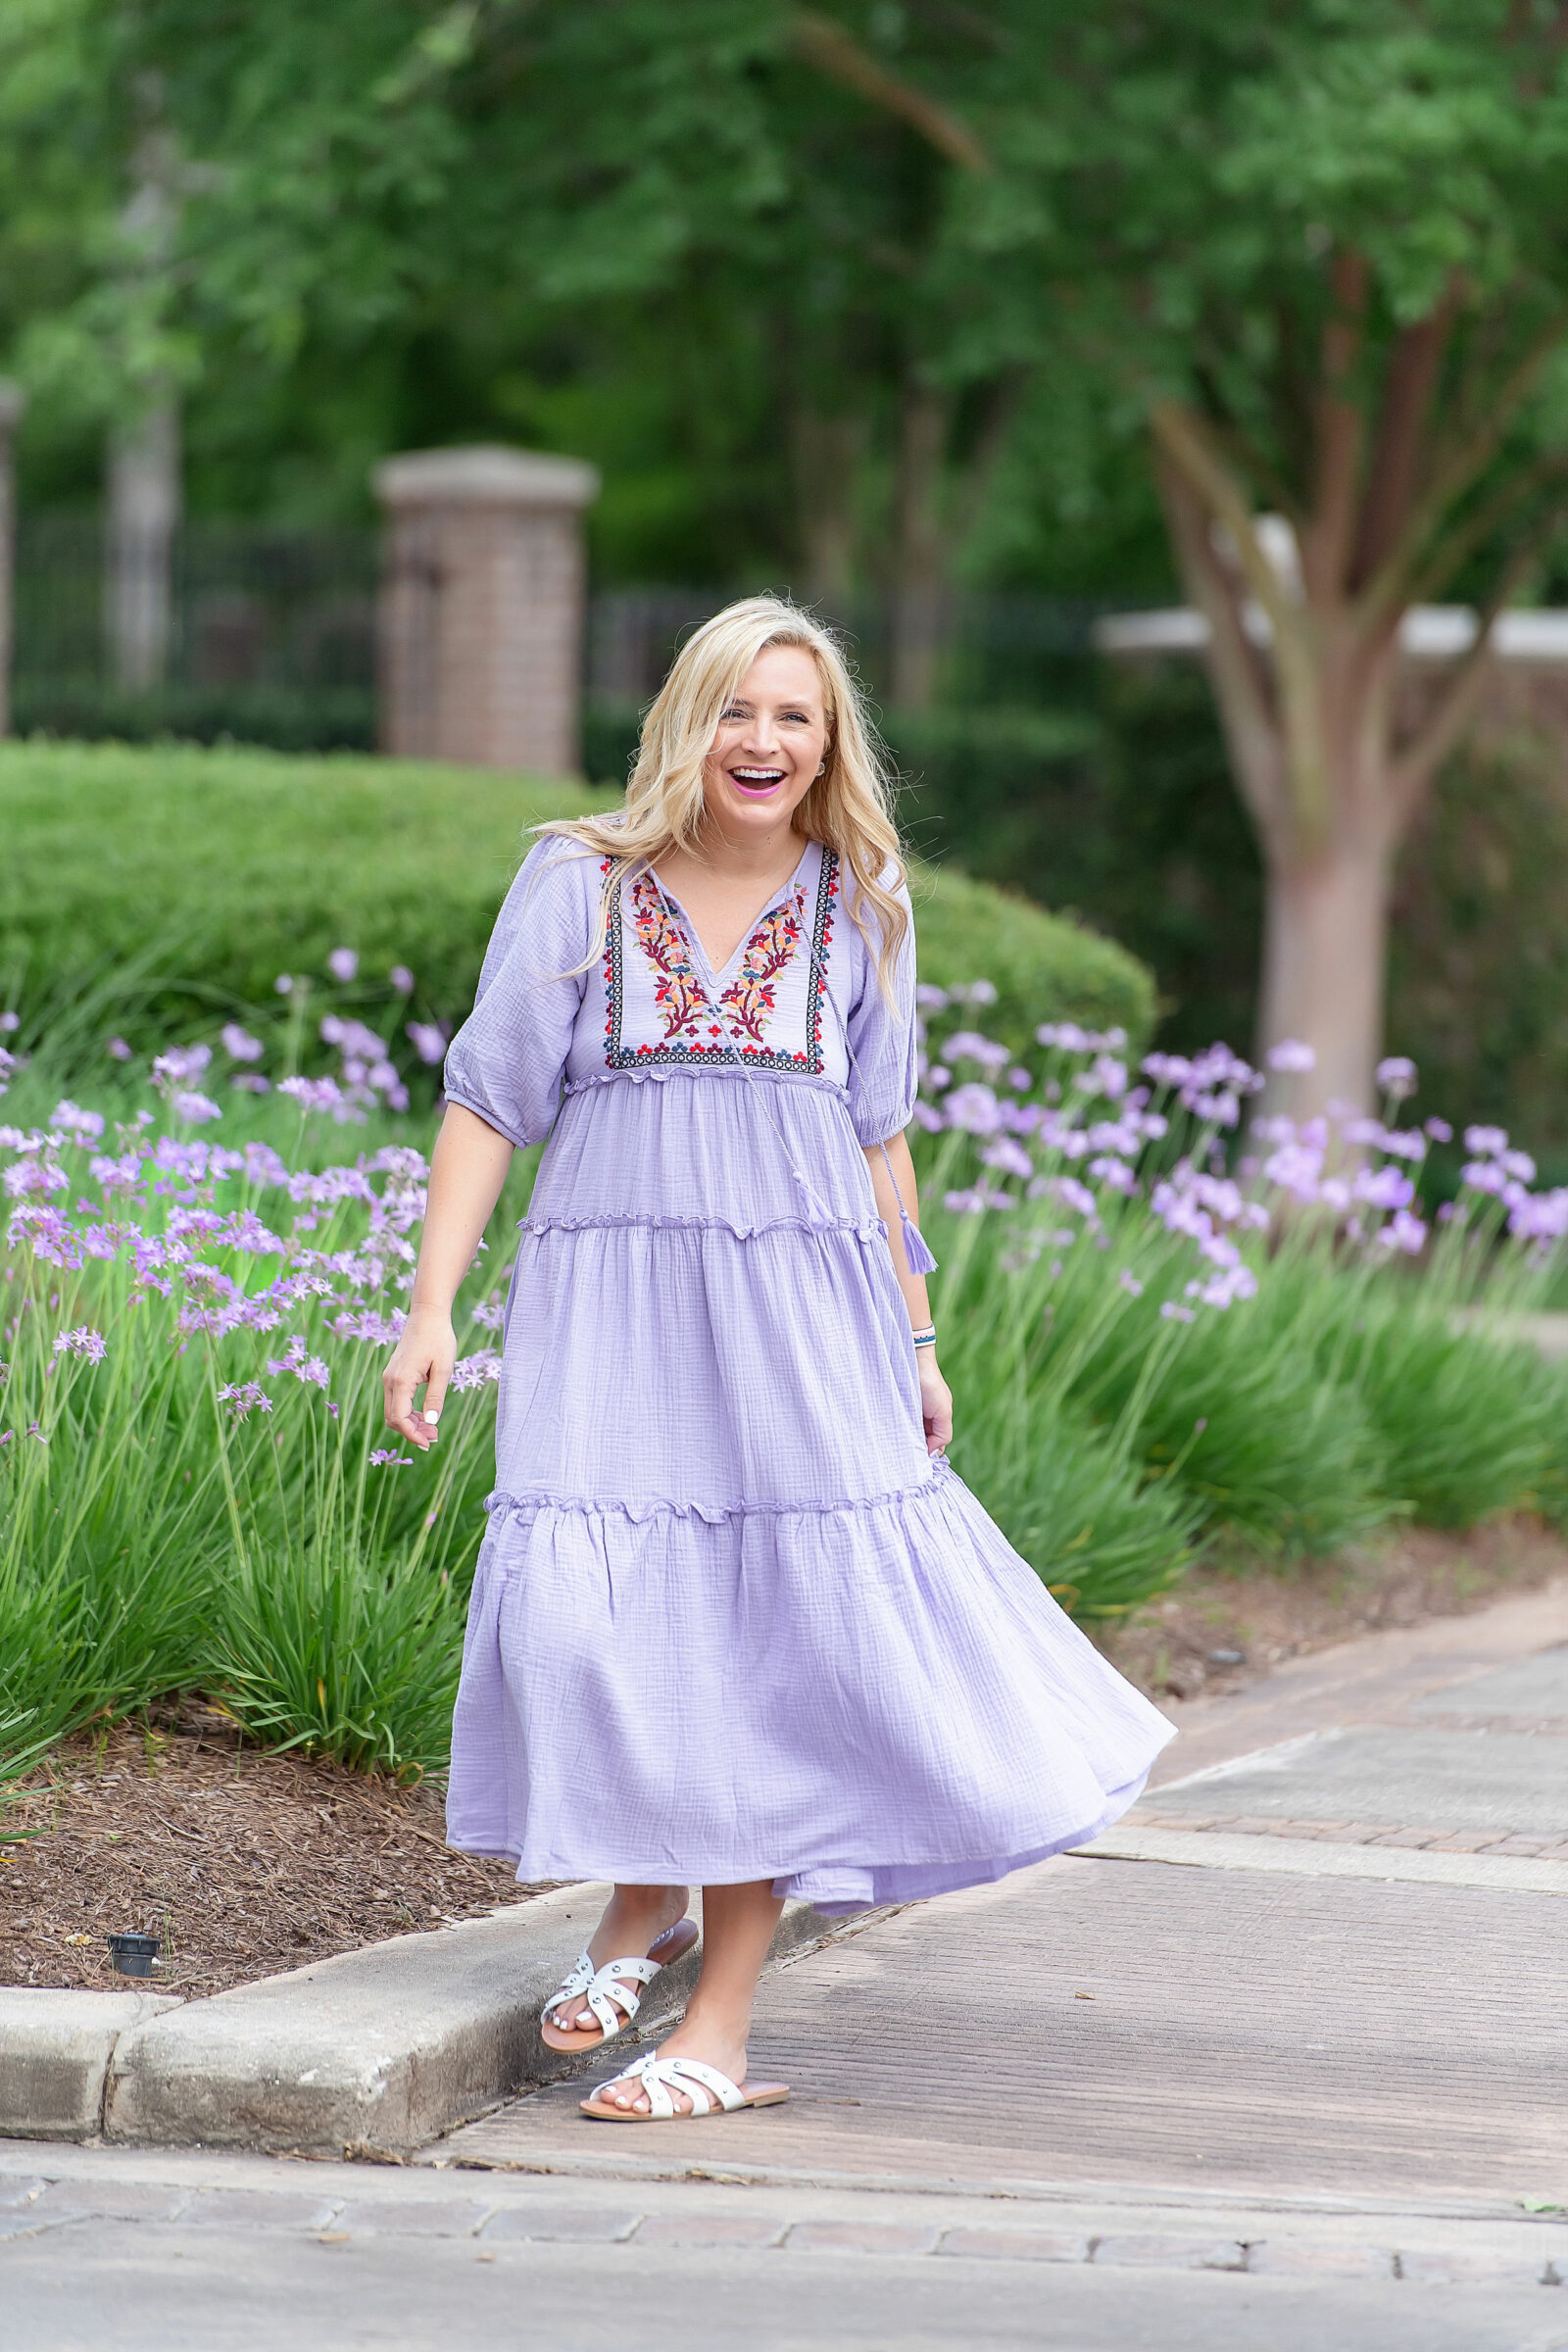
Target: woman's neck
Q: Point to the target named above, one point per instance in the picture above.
(760, 858)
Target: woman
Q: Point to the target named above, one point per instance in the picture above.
(735, 1620)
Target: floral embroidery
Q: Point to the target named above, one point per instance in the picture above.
(691, 1034)
(749, 994)
(678, 992)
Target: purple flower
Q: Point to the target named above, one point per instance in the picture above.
(967, 1045)
(284, 984)
(1439, 1131)
(180, 1064)
(85, 1125)
(385, 1456)
(429, 1042)
(343, 963)
(973, 1108)
(474, 1371)
(931, 1119)
(1128, 1281)
(973, 992)
(296, 1359)
(1383, 1187)
(929, 998)
(1403, 1232)
(1397, 1076)
(194, 1108)
(239, 1045)
(1486, 1141)
(1010, 1157)
(1171, 1312)
(250, 1082)
(245, 1396)
(938, 1076)
(402, 979)
(313, 1094)
(9, 1021)
(1020, 1080)
(82, 1342)
(1291, 1054)
(117, 1049)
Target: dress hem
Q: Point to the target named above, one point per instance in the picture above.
(837, 1891)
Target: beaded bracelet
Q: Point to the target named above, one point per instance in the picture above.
(926, 1338)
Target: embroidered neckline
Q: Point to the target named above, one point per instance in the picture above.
(681, 1001)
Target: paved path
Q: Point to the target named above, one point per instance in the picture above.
(1296, 2096)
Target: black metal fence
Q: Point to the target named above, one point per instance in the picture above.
(270, 638)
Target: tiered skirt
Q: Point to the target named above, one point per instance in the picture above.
(729, 1620)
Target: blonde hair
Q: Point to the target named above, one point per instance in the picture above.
(848, 807)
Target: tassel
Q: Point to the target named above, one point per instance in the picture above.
(916, 1252)
(817, 1214)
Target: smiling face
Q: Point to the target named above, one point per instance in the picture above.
(772, 737)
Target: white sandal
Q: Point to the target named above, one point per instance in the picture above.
(605, 1993)
(710, 2092)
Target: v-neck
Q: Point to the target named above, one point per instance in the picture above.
(720, 973)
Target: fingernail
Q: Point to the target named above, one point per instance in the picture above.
(432, 1416)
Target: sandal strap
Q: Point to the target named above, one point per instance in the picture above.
(605, 1990)
(577, 1980)
(703, 2085)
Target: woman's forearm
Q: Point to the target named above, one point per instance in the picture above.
(467, 1169)
(887, 1201)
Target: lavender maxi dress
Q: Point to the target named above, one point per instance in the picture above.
(729, 1620)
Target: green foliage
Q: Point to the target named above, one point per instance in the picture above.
(146, 888)
(348, 1654)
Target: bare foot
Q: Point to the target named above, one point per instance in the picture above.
(635, 1917)
(716, 2044)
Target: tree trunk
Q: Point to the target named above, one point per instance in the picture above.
(144, 502)
(1325, 929)
(827, 452)
(918, 551)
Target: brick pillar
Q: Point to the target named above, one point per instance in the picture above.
(483, 608)
(13, 400)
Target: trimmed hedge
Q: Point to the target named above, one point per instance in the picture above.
(147, 889)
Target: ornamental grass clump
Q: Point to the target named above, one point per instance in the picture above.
(1259, 1320)
(195, 1487)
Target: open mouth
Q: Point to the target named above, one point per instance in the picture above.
(757, 782)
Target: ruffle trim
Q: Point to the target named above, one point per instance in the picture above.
(816, 1080)
(503, 1505)
(864, 1229)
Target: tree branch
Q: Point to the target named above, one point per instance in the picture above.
(1387, 590)
(837, 54)
(1411, 770)
(1338, 433)
(1304, 775)
(1477, 528)
(1411, 378)
(1241, 675)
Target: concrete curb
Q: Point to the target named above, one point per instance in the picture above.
(55, 2053)
(375, 2052)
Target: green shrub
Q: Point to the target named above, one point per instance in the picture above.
(157, 889)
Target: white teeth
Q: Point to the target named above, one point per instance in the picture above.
(757, 775)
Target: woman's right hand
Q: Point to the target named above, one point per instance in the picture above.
(424, 1355)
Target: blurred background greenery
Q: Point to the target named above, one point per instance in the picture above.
(867, 304)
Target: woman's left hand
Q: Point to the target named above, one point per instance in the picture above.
(935, 1402)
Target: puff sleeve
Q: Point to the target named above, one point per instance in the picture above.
(507, 1062)
(884, 1074)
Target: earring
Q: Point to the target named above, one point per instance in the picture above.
(821, 767)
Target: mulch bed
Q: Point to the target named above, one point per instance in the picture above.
(1231, 1622)
(241, 1861)
(245, 1863)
